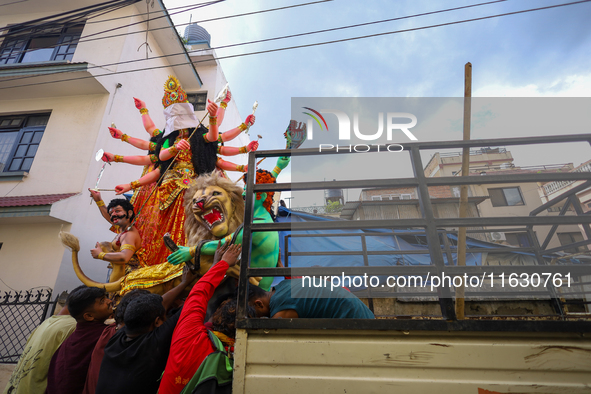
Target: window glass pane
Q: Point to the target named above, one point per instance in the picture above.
(32, 150)
(5, 122)
(7, 141)
(75, 29)
(37, 137)
(20, 151)
(15, 165)
(513, 196)
(40, 49)
(37, 120)
(27, 164)
(27, 137)
(16, 122)
(497, 197)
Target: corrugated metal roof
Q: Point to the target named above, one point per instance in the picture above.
(23, 201)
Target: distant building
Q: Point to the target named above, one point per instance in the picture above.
(490, 200)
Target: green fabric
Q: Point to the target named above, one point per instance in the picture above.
(217, 366)
(30, 374)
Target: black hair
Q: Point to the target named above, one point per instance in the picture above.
(82, 299)
(124, 302)
(142, 312)
(204, 154)
(123, 203)
(207, 152)
(255, 292)
(215, 304)
(224, 318)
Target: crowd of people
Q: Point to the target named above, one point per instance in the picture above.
(153, 346)
(158, 344)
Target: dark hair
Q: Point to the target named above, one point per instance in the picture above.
(124, 302)
(204, 154)
(224, 318)
(123, 203)
(255, 292)
(82, 299)
(142, 311)
(215, 304)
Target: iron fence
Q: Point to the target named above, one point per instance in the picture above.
(20, 313)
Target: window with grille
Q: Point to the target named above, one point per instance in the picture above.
(38, 44)
(199, 100)
(20, 136)
(570, 238)
(505, 196)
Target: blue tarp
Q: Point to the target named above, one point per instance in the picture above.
(376, 240)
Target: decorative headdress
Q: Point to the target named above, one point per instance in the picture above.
(178, 112)
(173, 92)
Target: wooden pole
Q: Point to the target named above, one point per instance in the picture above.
(464, 188)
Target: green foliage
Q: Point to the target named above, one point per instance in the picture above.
(334, 207)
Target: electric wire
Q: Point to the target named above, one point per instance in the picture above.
(288, 36)
(86, 39)
(14, 2)
(27, 26)
(83, 39)
(315, 44)
(142, 13)
(68, 14)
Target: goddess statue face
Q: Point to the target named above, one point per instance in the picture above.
(213, 208)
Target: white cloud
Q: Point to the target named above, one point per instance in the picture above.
(568, 86)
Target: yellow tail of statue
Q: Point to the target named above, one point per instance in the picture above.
(72, 243)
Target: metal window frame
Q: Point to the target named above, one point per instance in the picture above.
(197, 94)
(448, 320)
(21, 131)
(40, 33)
(505, 196)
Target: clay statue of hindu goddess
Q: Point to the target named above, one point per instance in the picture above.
(181, 152)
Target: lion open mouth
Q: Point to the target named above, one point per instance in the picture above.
(212, 217)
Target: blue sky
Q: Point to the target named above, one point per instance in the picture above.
(537, 54)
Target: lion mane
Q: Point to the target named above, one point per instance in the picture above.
(194, 231)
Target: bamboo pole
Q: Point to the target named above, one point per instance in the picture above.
(464, 188)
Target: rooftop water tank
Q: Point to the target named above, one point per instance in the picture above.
(195, 34)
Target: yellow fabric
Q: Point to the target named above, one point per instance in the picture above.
(151, 276)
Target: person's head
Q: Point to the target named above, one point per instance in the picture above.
(144, 314)
(121, 211)
(260, 300)
(125, 300)
(224, 318)
(89, 304)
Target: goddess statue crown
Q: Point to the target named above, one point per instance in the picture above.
(173, 92)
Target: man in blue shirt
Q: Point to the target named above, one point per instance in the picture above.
(293, 298)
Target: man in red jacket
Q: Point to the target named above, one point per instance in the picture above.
(190, 341)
